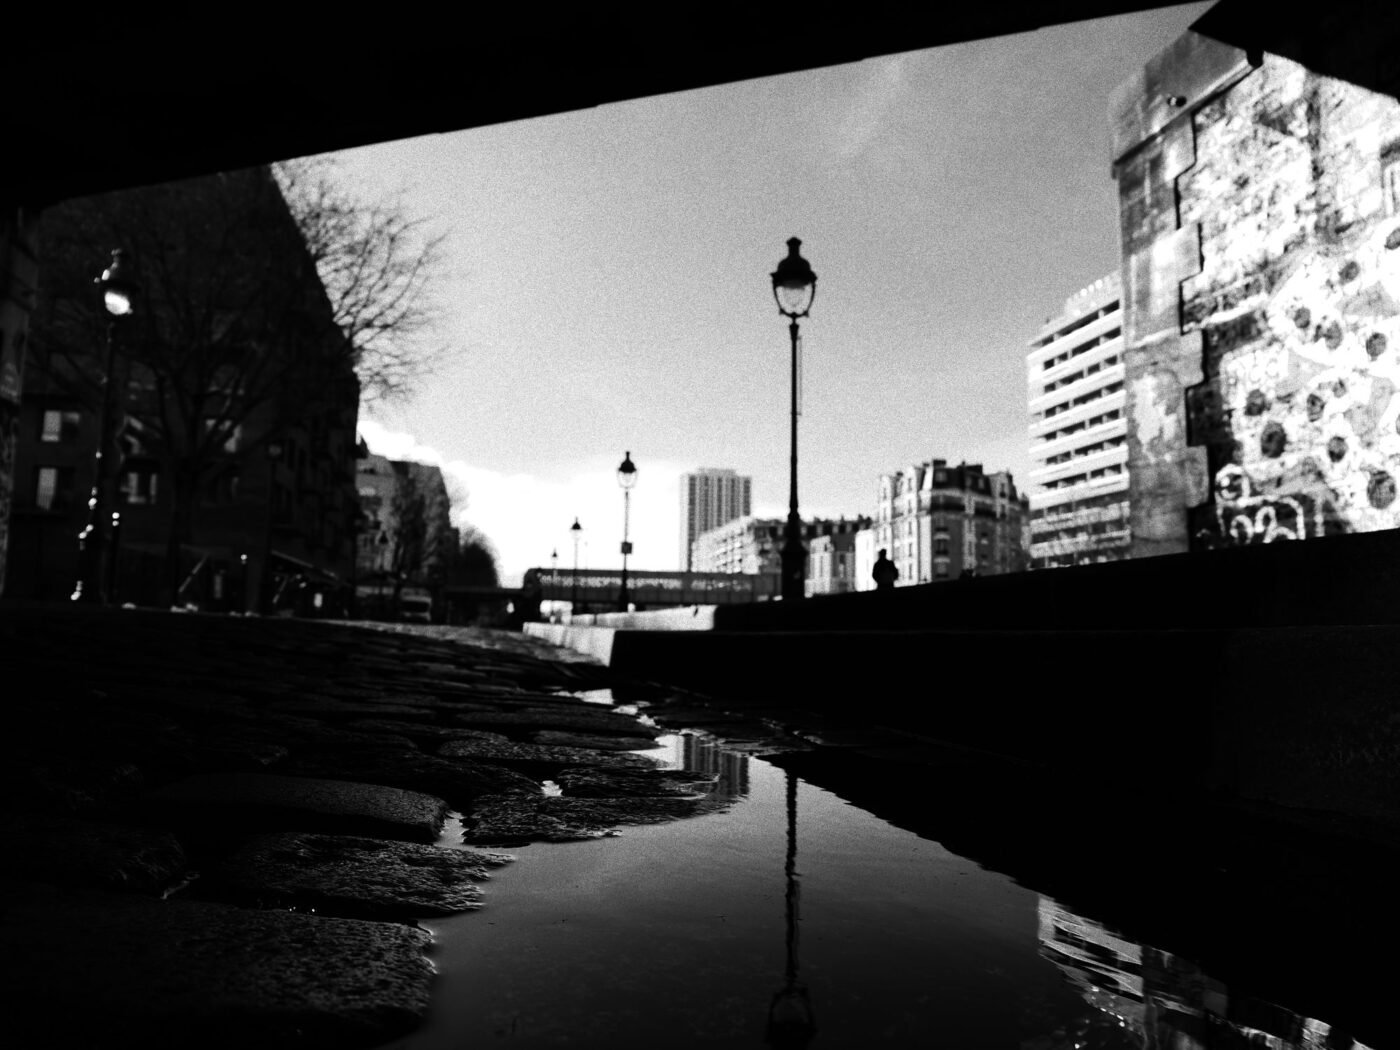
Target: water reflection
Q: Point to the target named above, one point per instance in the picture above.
(1143, 997)
(791, 1022)
(697, 752)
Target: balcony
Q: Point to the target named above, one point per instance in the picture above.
(1078, 389)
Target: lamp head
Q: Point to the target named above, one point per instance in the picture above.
(794, 283)
(627, 472)
(118, 289)
(576, 528)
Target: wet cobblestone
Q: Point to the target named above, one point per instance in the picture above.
(212, 796)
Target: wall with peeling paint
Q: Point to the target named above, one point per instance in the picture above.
(1262, 300)
(1298, 307)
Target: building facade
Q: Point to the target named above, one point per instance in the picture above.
(230, 436)
(1260, 216)
(710, 497)
(863, 556)
(1078, 432)
(831, 557)
(939, 522)
(754, 546)
(406, 537)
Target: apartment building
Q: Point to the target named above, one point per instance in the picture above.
(755, 546)
(1078, 432)
(710, 497)
(940, 522)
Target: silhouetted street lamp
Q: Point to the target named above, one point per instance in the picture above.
(575, 528)
(794, 287)
(554, 585)
(626, 477)
(118, 298)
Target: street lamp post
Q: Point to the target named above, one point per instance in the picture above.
(266, 577)
(575, 528)
(626, 477)
(794, 287)
(554, 585)
(118, 298)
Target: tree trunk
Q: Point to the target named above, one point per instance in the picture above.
(181, 532)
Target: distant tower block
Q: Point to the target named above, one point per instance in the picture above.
(1078, 432)
(710, 497)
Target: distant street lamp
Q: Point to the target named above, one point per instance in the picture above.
(575, 528)
(554, 585)
(794, 287)
(626, 477)
(118, 298)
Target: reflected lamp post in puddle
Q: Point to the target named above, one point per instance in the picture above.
(626, 477)
(794, 287)
(790, 1019)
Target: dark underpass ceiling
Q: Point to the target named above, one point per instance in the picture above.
(107, 102)
(100, 102)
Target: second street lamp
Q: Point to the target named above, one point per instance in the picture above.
(575, 528)
(794, 287)
(626, 477)
(118, 298)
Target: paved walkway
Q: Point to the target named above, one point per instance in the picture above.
(221, 830)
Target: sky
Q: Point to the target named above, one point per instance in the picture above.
(606, 288)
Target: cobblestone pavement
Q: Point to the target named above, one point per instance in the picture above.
(220, 831)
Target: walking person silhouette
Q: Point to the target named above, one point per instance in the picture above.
(885, 572)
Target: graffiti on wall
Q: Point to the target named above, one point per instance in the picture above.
(1312, 398)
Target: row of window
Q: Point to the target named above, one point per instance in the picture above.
(1084, 399)
(1084, 424)
(1079, 479)
(1074, 377)
(1087, 450)
(1082, 322)
(54, 487)
(1082, 348)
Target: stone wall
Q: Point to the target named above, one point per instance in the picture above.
(1298, 308)
(1261, 266)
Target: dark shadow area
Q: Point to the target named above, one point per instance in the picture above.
(1277, 915)
(230, 82)
(1353, 40)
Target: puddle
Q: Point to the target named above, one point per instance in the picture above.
(796, 904)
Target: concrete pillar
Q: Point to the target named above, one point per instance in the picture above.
(19, 271)
(1153, 144)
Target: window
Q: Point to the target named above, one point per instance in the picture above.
(233, 434)
(140, 484)
(53, 488)
(59, 427)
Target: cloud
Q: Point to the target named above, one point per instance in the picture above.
(527, 517)
(865, 118)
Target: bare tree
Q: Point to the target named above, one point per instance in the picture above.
(475, 562)
(254, 315)
(378, 265)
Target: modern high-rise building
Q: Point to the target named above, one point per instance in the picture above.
(1078, 432)
(710, 497)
